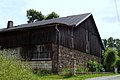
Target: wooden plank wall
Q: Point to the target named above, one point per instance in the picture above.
(43, 36)
(80, 38)
(28, 37)
(65, 36)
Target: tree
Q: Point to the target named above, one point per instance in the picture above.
(52, 15)
(118, 65)
(111, 42)
(110, 58)
(114, 44)
(105, 42)
(34, 16)
(117, 45)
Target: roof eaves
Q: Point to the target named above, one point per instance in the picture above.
(15, 28)
(83, 19)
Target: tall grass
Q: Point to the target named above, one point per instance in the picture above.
(12, 69)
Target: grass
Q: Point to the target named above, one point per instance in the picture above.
(77, 77)
(11, 69)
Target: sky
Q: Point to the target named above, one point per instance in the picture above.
(103, 11)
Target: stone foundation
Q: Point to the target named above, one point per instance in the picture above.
(39, 64)
(66, 58)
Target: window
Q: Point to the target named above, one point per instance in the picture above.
(43, 52)
(36, 52)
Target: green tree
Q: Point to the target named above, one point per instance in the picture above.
(105, 42)
(111, 42)
(52, 15)
(110, 58)
(34, 16)
(117, 45)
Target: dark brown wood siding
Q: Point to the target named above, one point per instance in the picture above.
(43, 35)
(10, 39)
(65, 36)
(80, 40)
(28, 37)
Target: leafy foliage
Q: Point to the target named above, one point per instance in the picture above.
(94, 66)
(81, 69)
(42, 72)
(52, 15)
(118, 65)
(66, 73)
(112, 43)
(11, 69)
(115, 44)
(34, 16)
(110, 58)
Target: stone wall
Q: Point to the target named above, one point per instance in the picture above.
(67, 55)
(55, 62)
(39, 64)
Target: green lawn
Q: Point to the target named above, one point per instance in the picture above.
(77, 77)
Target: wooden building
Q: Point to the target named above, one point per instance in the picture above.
(56, 43)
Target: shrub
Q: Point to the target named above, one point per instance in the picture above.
(94, 66)
(81, 69)
(66, 73)
(110, 58)
(118, 65)
(100, 68)
(42, 72)
(11, 69)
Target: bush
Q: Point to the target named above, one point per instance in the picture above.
(66, 73)
(110, 58)
(42, 72)
(118, 65)
(11, 69)
(94, 66)
(81, 69)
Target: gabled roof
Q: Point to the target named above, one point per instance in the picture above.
(69, 20)
(73, 20)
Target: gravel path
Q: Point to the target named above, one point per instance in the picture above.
(116, 77)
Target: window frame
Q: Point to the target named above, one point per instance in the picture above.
(41, 51)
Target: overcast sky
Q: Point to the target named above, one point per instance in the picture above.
(104, 12)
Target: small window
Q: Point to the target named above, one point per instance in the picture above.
(38, 52)
(43, 52)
